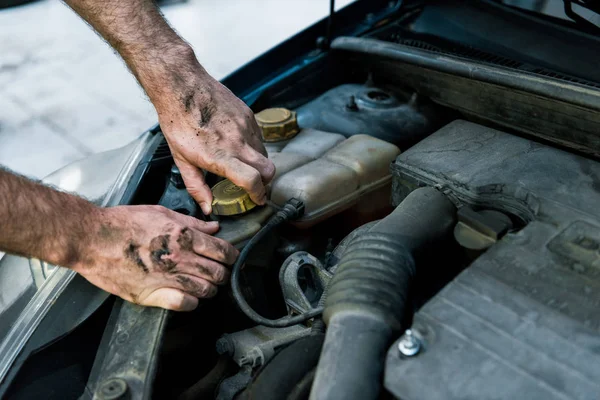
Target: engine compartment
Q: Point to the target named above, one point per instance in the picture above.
(345, 182)
(518, 262)
(450, 235)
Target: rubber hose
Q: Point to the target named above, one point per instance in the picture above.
(280, 377)
(302, 389)
(291, 210)
(368, 297)
(207, 386)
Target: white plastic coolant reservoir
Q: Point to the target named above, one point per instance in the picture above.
(327, 171)
(331, 173)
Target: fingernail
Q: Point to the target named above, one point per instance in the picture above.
(206, 208)
(189, 303)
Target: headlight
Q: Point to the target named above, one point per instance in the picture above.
(101, 178)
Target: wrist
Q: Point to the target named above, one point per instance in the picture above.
(77, 249)
(168, 77)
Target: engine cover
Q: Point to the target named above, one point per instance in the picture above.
(523, 320)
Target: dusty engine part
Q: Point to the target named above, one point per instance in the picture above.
(307, 146)
(292, 210)
(290, 371)
(525, 312)
(255, 346)
(230, 387)
(209, 383)
(351, 109)
(330, 175)
(303, 280)
(336, 254)
(176, 196)
(562, 110)
(277, 124)
(478, 230)
(238, 229)
(368, 297)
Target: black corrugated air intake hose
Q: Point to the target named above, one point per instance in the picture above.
(367, 298)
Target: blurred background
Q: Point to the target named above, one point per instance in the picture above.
(64, 94)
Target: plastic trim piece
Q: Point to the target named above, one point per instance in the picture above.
(521, 80)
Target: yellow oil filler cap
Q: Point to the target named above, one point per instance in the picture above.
(277, 124)
(230, 199)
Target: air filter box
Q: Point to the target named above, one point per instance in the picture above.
(523, 320)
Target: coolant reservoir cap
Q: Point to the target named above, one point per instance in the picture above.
(277, 124)
(230, 199)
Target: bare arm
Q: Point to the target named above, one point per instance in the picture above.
(145, 254)
(40, 222)
(206, 126)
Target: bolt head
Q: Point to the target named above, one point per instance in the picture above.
(409, 345)
(113, 389)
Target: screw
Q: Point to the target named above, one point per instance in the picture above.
(409, 345)
(113, 389)
(122, 338)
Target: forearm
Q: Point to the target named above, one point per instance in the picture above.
(205, 124)
(41, 222)
(163, 63)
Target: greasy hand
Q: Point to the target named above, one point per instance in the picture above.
(153, 256)
(208, 127)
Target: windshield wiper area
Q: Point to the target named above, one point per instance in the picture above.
(584, 13)
(590, 5)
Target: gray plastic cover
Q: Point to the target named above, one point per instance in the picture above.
(523, 320)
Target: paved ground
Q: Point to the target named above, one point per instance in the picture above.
(65, 95)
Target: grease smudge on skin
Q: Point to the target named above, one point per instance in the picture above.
(159, 247)
(132, 253)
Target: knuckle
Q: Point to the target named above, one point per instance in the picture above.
(220, 275)
(219, 154)
(196, 191)
(222, 248)
(232, 255)
(200, 246)
(204, 290)
(269, 170)
(254, 179)
(159, 209)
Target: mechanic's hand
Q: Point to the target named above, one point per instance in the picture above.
(153, 256)
(209, 127)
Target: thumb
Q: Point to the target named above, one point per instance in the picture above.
(195, 185)
(171, 299)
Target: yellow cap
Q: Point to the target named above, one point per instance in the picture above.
(277, 124)
(230, 199)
